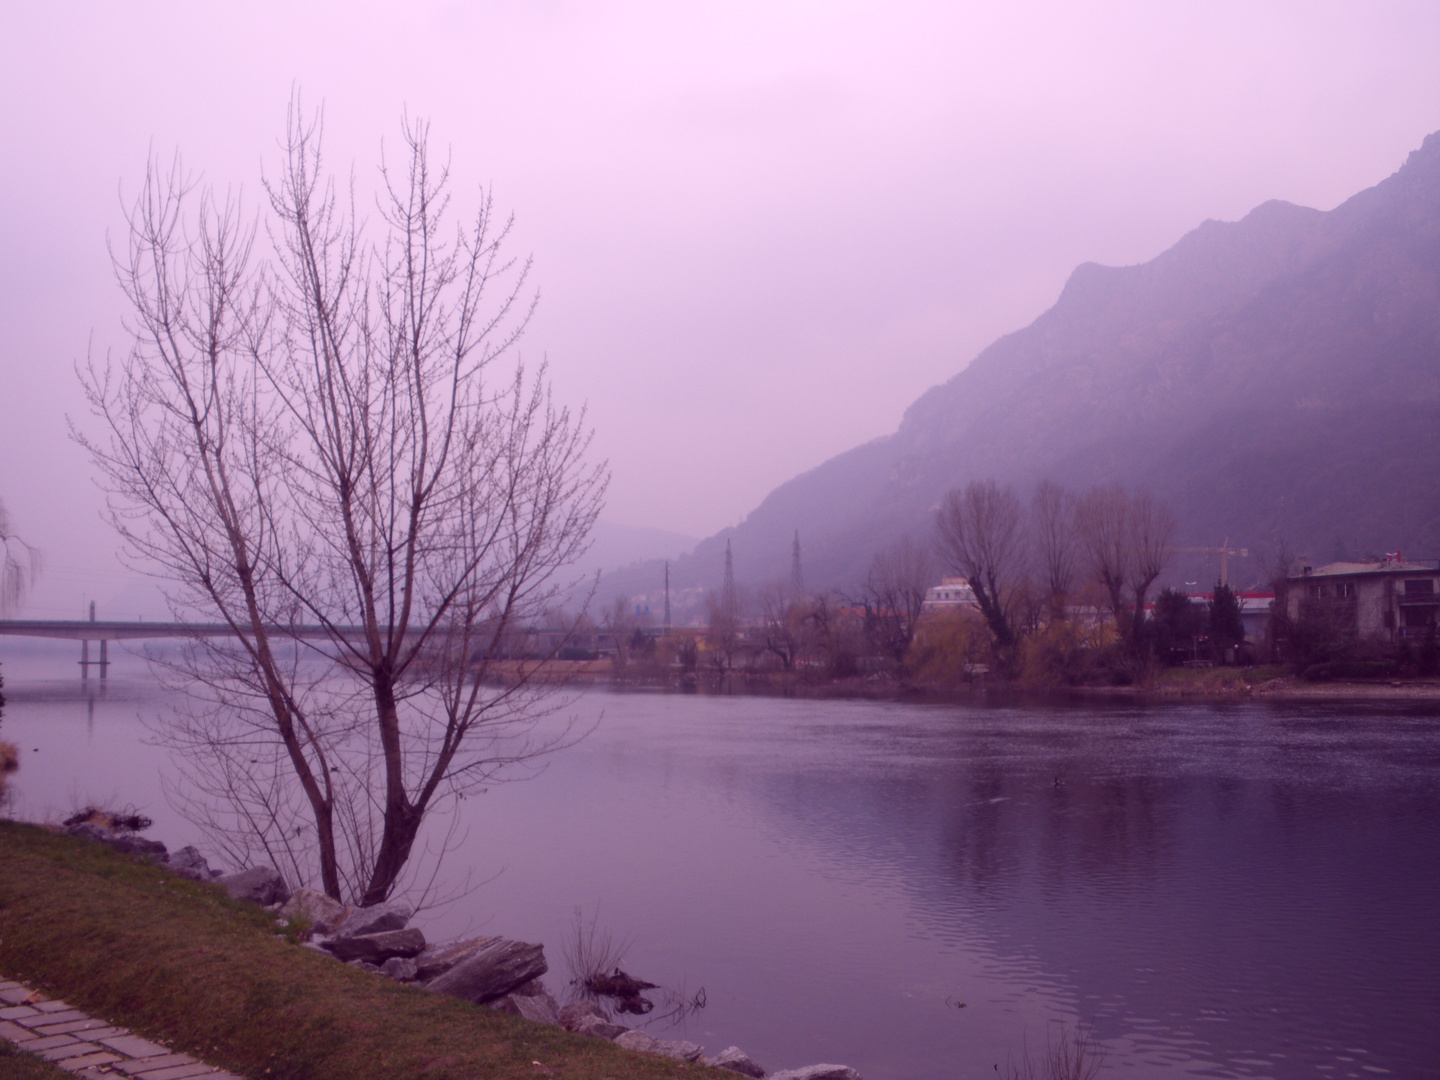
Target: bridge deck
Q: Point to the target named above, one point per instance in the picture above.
(85, 630)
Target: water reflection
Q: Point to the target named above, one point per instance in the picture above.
(1250, 890)
(1240, 891)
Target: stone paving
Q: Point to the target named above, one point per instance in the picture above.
(87, 1047)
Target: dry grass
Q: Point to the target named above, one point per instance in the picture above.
(180, 962)
(1070, 1054)
(589, 951)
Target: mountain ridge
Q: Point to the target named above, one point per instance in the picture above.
(1275, 378)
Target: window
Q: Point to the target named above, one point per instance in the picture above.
(1345, 590)
(1421, 587)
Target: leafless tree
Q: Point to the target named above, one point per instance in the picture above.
(832, 633)
(325, 440)
(980, 533)
(1126, 542)
(19, 565)
(1052, 511)
(1103, 528)
(620, 623)
(782, 624)
(894, 594)
(1152, 532)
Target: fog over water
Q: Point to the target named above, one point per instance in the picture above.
(1236, 890)
(760, 230)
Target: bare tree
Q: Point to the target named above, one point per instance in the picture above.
(1052, 511)
(323, 439)
(1103, 527)
(894, 594)
(1126, 541)
(782, 624)
(620, 623)
(981, 535)
(831, 633)
(1152, 532)
(19, 565)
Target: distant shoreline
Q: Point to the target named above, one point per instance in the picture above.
(1171, 684)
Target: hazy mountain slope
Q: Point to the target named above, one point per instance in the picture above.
(1277, 379)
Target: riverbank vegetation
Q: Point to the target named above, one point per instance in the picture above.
(179, 962)
(1061, 593)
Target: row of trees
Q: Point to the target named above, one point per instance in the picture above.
(1024, 564)
(1029, 565)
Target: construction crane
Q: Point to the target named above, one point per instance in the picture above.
(1224, 551)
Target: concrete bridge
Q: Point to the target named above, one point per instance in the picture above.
(87, 630)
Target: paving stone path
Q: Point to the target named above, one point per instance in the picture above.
(91, 1048)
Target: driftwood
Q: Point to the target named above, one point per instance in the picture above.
(625, 989)
(109, 819)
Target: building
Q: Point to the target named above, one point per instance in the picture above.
(952, 592)
(1255, 606)
(1392, 600)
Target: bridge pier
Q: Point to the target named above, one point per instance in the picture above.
(103, 663)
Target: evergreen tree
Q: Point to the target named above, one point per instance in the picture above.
(1226, 629)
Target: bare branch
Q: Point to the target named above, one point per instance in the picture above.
(326, 440)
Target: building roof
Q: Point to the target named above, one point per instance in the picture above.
(1383, 566)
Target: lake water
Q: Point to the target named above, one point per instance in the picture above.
(1220, 891)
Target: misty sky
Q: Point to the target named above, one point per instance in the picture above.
(760, 230)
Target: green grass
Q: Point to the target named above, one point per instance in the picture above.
(180, 962)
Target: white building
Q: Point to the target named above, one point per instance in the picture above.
(952, 592)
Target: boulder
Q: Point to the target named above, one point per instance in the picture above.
(492, 971)
(322, 912)
(638, 1041)
(126, 842)
(572, 1014)
(539, 1007)
(679, 1049)
(597, 1028)
(259, 885)
(372, 920)
(817, 1072)
(189, 863)
(364, 965)
(88, 831)
(399, 968)
(736, 1060)
(438, 959)
(533, 988)
(377, 948)
(130, 844)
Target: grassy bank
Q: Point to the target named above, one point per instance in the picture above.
(180, 962)
(17, 1065)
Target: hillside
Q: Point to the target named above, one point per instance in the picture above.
(1277, 379)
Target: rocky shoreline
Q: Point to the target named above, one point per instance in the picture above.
(495, 972)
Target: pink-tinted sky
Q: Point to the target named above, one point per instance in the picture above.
(760, 230)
